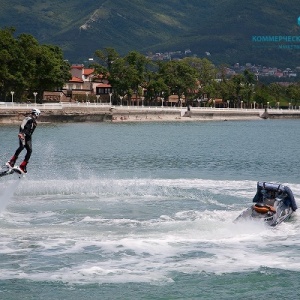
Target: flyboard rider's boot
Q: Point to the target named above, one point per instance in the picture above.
(11, 162)
(23, 166)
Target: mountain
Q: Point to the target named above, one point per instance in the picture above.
(228, 30)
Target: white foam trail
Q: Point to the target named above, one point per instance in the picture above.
(137, 186)
(127, 230)
(145, 186)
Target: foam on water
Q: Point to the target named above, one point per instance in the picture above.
(129, 187)
(137, 230)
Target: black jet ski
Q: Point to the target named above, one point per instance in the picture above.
(273, 204)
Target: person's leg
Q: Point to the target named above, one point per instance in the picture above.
(14, 158)
(24, 163)
(28, 147)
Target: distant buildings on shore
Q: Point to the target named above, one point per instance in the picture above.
(263, 71)
(259, 70)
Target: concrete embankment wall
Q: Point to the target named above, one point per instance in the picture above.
(154, 114)
(289, 114)
(226, 114)
(65, 114)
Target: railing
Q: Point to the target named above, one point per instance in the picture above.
(61, 105)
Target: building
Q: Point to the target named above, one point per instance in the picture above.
(84, 86)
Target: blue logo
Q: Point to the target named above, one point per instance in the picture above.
(299, 21)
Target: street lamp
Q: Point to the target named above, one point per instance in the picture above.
(162, 99)
(121, 98)
(242, 104)
(34, 94)
(110, 94)
(12, 97)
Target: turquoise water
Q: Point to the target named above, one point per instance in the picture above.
(146, 210)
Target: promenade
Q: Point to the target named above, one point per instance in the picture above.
(93, 112)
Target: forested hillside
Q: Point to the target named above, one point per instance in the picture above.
(222, 28)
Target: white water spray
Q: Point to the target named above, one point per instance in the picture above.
(7, 192)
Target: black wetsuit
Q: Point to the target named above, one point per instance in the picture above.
(26, 128)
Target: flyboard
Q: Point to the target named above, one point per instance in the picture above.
(6, 170)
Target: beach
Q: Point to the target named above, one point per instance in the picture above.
(158, 114)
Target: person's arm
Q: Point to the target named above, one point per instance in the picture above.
(25, 128)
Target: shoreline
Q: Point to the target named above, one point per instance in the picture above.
(117, 114)
(181, 115)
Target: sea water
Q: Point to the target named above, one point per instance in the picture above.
(147, 210)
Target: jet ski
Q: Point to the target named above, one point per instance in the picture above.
(273, 204)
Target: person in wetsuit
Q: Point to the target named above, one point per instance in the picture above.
(25, 132)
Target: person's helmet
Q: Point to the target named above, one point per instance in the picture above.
(36, 111)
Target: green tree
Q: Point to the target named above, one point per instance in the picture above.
(27, 66)
(225, 90)
(262, 95)
(293, 93)
(237, 81)
(205, 68)
(180, 77)
(248, 86)
(51, 71)
(275, 90)
(105, 60)
(156, 88)
(11, 77)
(206, 76)
(128, 75)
